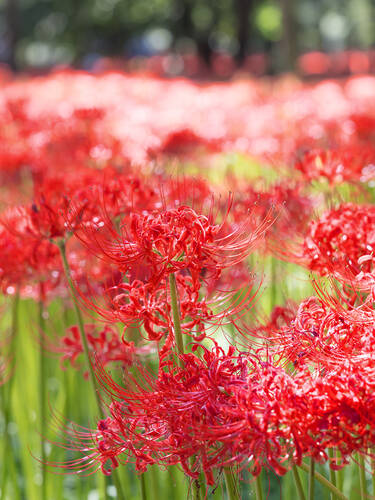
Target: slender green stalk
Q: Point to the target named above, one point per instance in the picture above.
(311, 479)
(155, 481)
(231, 484)
(258, 488)
(297, 481)
(339, 473)
(324, 481)
(176, 314)
(7, 397)
(180, 346)
(81, 327)
(61, 245)
(222, 491)
(332, 473)
(362, 477)
(42, 391)
(196, 490)
(373, 475)
(273, 291)
(143, 487)
(202, 487)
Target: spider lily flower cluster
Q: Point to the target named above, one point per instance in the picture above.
(188, 369)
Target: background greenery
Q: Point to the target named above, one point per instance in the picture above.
(42, 33)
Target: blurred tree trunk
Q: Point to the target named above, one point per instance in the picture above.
(289, 40)
(186, 28)
(243, 9)
(11, 20)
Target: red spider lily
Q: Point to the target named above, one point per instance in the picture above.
(342, 241)
(151, 245)
(295, 208)
(321, 336)
(25, 260)
(184, 142)
(52, 214)
(227, 409)
(15, 131)
(268, 328)
(343, 401)
(185, 412)
(349, 163)
(172, 240)
(73, 140)
(104, 343)
(149, 305)
(339, 243)
(364, 125)
(348, 300)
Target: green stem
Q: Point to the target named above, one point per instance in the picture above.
(180, 348)
(231, 484)
(311, 479)
(143, 487)
(373, 475)
(339, 473)
(176, 314)
(61, 245)
(42, 392)
(196, 489)
(362, 477)
(298, 483)
(324, 481)
(7, 397)
(273, 293)
(258, 488)
(332, 474)
(202, 487)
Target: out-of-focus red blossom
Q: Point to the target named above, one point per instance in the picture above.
(25, 260)
(281, 316)
(194, 192)
(77, 141)
(339, 243)
(318, 335)
(348, 163)
(185, 142)
(104, 343)
(342, 242)
(231, 409)
(15, 131)
(142, 117)
(62, 201)
(364, 125)
(293, 208)
(50, 142)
